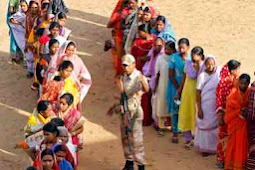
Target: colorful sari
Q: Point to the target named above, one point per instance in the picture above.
(80, 71)
(207, 127)
(223, 90)
(140, 49)
(251, 129)
(237, 144)
(177, 64)
(54, 89)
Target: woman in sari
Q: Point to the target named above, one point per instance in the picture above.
(80, 72)
(228, 78)
(149, 71)
(61, 19)
(142, 46)
(45, 19)
(73, 119)
(162, 72)
(163, 29)
(251, 129)
(187, 112)
(61, 154)
(207, 121)
(176, 71)
(61, 84)
(235, 117)
(31, 18)
(16, 23)
(47, 161)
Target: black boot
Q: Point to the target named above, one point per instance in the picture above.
(141, 167)
(129, 165)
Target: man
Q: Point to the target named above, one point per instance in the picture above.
(132, 84)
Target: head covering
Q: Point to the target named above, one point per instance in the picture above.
(209, 56)
(62, 50)
(128, 59)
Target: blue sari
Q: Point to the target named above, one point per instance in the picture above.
(166, 34)
(65, 165)
(177, 63)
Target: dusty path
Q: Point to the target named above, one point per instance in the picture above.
(224, 28)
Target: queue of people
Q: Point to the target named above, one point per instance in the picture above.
(170, 85)
(40, 41)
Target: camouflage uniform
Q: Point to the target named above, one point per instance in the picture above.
(133, 146)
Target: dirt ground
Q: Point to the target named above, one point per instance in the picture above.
(224, 28)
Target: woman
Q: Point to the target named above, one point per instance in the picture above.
(61, 152)
(187, 112)
(149, 18)
(236, 113)
(62, 83)
(73, 119)
(149, 71)
(176, 71)
(162, 71)
(61, 19)
(17, 31)
(207, 121)
(31, 18)
(228, 78)
(142, 46)
(163, 29)
(47, 161)
(45, 19)
(251, 129)
(80, 71)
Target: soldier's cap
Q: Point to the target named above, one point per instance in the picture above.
(128, 59)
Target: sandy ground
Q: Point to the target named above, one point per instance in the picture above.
(224, 28)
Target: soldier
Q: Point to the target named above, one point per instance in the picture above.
(132, 85)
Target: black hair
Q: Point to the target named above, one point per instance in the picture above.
(45, 5)
(233, 64)
(52, 128)
(65, 65)
(23, 1)
(161, 18)
(61, 15)
(58, 121)
(30, 167)
(33, 2)
(71, 44)
(246, 77)
(60, 148)
(142, 28)
(198, 51)
(57, 78)
(140, 8)
(147, 9)
(40, 32)
(42, 106)
(171, 44)
(68, 97)
(53, 25)
(183, 41)
(47, 152)
(53, 41)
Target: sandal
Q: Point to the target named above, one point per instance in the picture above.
(160, 133)
(188, 145)
(175, 140)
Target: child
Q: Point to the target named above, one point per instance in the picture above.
(162, 73)
(176, 71)
(187, 112)
(207, 121)
(61, 154)
(61, 19)
(235, 117)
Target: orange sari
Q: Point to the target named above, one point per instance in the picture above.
(237, 145)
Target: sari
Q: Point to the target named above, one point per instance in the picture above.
(251, 129)
(223, 90)
(177, 64)
(141, 48)
(160, 107)
(166, 34)
(80, 71)
(54, 89)
(237, 144)
(207, 128)
(63, 31)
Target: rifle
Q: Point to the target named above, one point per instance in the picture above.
(127, 120)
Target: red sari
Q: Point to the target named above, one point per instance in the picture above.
(141, 49)
(237, 145)
(223, 90)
